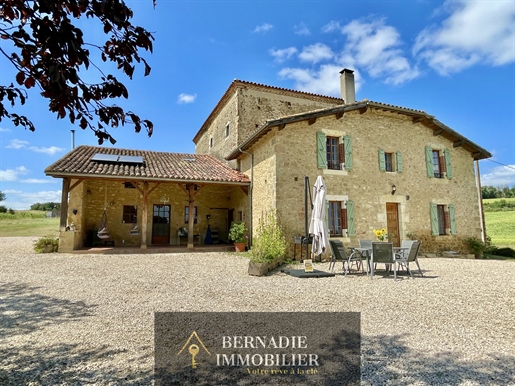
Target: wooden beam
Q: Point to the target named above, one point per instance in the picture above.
(312, 120)
(144, 215)
(458, 143)
(339, 114)
(64, 204)
(281, 126)
(417, 119)
(363, 110)
(437, 132)
(191, 217)
(75, 184)
(245, 190)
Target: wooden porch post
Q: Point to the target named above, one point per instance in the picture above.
(144, 216)
(64, 204)
(191, 217)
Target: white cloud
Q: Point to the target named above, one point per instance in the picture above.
(475, 32)
(331, 26)
(301, 29)
(13, 174)
(19, 144)
(316, 53)
(186, 98)
(39, 181)
(376, 47)
(265, 27)
(499, 176)
(20, 200)
(283, 54)
(323, 81)
(4, 130)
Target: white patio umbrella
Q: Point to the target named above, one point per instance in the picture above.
(318, 227)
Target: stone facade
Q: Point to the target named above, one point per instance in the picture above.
(287, 153)
(90, 197)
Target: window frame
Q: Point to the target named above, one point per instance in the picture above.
(332, 150)
(129, 214)
(186, 214)
(335, 219)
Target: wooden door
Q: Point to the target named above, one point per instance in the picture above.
(392, 223)
(161, 224)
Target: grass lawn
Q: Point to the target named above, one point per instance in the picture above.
(26, 226)
(500, 226)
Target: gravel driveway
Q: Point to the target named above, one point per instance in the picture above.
(88, 319)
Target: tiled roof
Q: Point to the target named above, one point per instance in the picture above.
(156, 166)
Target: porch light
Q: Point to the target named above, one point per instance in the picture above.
(394, 189)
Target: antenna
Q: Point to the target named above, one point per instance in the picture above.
(73, 139)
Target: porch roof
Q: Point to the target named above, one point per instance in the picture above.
(156, 166)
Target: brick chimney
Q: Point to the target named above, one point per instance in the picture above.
(347, 90)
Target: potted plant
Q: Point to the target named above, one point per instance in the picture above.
(476, 246)
(237, 233)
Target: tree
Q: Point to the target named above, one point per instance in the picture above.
(51, 52)
(2, 196)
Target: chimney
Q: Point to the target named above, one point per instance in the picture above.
(347, 90)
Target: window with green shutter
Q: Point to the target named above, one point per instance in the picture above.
(382, 161)
(351, 223)
(448, 166)
(390, 162)
(347, 143)
(398, 157)
(429, 162)
(321, 150)
(434, 219)
(452, 217)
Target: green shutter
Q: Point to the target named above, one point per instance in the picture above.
(351, 224)
(321, 151)
(429, 162)
(347, 142)
(399, 161)
(452, 216)
(434, 220)
(382, 163)
(448, 165)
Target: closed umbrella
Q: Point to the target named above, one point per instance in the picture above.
(318, 227)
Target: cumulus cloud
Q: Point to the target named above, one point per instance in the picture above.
(186, 98)
(13, 174)
(284, 54)
(265, 27)
(39, 181)
(316, 53)
(19, 144)
(475, 32)
(301, 29)
(20, 200)
(499, 176)
(4, 130)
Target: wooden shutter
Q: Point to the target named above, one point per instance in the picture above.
(321, 151)
(429, 162)
(343, 215)
(348, 152)
(351, 224)
(448, 166)
(382, 163)
(398, 155)
(341, 152)
(452, 217)
(434, 219)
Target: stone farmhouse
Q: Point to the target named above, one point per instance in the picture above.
(384, 166)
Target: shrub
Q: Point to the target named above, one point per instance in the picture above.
(42, 243)
(505, 252)
(476, 246)
(269, 243)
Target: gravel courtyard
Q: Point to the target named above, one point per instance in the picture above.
(88, 319)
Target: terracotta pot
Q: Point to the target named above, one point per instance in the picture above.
(240, 247)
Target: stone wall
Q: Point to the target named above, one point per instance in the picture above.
(294, 149)
(91, 197)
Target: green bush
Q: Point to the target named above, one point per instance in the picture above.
(269, 243)
(476, 246)
(238, 232)
(42, 243)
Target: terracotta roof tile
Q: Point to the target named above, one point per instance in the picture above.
(156, 166)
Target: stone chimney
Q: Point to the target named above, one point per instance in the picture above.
(347, 90)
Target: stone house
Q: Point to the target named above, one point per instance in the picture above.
(384, 166)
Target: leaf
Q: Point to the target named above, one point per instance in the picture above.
(20, 76)
(30, 82)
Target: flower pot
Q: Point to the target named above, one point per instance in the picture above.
(239, 247)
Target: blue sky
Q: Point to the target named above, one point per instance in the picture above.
(453, 59)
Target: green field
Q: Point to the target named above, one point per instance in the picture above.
(500, 224)
(28, 223)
